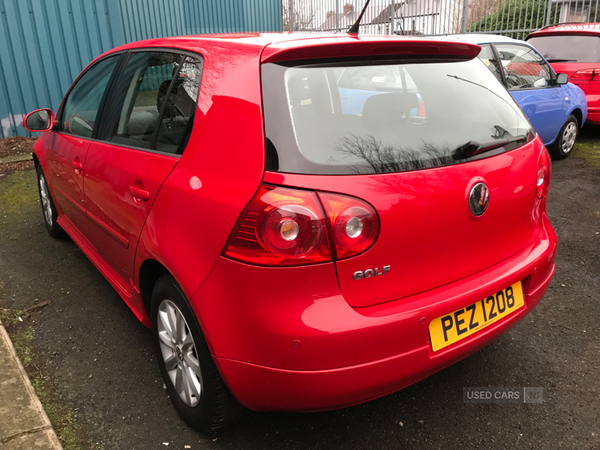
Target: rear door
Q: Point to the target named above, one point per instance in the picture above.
(68, 146)
(531, 82)
(144, 130)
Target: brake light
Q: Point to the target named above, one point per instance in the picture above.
(543, 174)
(353, 223)
(287, 227)
(281, 226)
(586, 74)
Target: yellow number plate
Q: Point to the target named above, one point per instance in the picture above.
(453, 327)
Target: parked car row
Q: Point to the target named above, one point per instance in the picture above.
(310, 223)
(556, 108)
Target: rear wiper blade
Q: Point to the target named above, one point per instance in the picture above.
(473, 148)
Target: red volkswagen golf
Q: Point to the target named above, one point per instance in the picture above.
(305, 222)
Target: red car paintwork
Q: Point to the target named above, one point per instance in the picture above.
(296, 338)
(116, 214)
(590, 87)
(65, 176)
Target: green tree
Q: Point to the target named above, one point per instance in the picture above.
(513, 15)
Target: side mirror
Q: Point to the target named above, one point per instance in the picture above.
(562, 78)
(39, 120)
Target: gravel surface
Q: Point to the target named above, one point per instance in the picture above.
(99, 356)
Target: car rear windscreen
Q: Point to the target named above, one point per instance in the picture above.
(568, 48)
(385, 116)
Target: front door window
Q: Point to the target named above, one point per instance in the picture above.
(523, 67)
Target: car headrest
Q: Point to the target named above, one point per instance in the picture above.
(380, 110)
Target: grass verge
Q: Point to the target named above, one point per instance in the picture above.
(588, 145)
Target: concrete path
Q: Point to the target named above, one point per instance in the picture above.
(23, 421)
(16, 158)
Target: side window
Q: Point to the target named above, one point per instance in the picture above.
(154, 101)
(523, 67)
(81, 107)
(486, 55)
(179, 108)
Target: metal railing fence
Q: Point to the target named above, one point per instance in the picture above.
(514, 18)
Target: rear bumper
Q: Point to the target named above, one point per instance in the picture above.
(307, 351)
(592, 95)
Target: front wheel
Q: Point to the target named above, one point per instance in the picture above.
(48, 208)
(191, 376)
(566, 139)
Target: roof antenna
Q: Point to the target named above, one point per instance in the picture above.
(355, 26)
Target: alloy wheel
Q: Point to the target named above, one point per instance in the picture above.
(569, 136)
(179, 353)
(45, 195)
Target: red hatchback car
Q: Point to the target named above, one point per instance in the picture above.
(574, 49)
(288, 255)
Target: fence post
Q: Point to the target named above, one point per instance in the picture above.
(465, 13)
(337, 15)
(291, 15)
(549, 12)
(393, 18)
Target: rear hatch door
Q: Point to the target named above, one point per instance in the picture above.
(416, 170)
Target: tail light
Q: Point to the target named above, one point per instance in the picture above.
(353, 223)
(287, 227)
(543, 174)
(586, 74)
(283, 227)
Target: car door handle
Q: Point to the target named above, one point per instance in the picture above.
(77, 166)
(139, 193)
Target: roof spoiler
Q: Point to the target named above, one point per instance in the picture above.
(559, 24)
(352, 47)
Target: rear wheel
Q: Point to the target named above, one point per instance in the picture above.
(566, 139)
(191, 376)
(48, 208)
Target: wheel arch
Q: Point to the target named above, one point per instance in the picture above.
(579, 116)
(149, 273)
(38, 153)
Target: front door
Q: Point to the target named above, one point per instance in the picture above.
(68, 146)
(532, 84)
(143, 132)
(65, 158)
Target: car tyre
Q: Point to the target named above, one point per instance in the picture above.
(191, 376)
(48, 209)
(565, 141)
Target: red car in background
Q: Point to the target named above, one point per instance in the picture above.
(288, 255)
(574, 49)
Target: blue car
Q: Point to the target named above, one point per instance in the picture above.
(556, 108)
